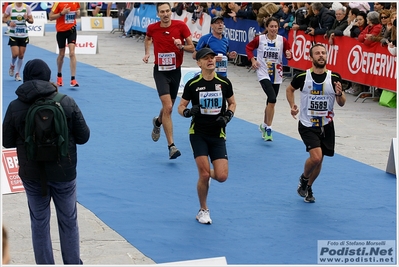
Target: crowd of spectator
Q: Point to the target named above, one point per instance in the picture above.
(372, 23)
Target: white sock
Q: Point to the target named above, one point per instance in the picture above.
(264, 125)
(19, 64)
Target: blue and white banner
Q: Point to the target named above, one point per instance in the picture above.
(40, 6)
(143, 16)
(140, 18)
(243, 31)
(240, 33)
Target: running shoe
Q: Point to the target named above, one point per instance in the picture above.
(74, 83)
(59, 81)
(156, 131)
(204, 217)
(11, 70)
(302, 187)
(17, 77)
(263, 131)
(309, 198)
(174, 152)
(268, 136)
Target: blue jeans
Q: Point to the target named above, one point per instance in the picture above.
(64, 198)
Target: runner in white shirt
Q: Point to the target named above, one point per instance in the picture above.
(320, 88)
(269, 67)
(16, 16)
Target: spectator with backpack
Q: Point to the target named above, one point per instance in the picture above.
(47, 178)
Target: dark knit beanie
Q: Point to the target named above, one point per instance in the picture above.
(36, 69)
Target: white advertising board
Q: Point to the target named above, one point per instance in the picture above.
(85, 44)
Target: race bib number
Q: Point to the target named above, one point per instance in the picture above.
(70, 17)
(221, 66)
(20, 30)
(166, 61)
(211, 102)
(271, 54)
(317, 105)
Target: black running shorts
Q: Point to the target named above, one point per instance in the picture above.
(167, 82)
(63, 37)
(13, 41)
(323, 137)
(203, 145)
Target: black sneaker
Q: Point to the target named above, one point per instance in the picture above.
(302, 186)
(309, 195)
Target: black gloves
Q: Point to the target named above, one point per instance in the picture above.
(223, 120)
(195, 109)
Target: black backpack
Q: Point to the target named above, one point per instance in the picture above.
(46, 130)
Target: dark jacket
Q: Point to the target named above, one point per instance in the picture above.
(355, 31)
(338, 27)
(279, 14)
(300, 15)
(14, 132)
(309, 21)
(326, 19)
(246, 14)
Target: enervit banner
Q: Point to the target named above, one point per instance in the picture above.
(370, 65)
(373, 66)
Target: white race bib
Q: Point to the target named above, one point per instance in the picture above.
(211, 102)
(317, 105)
(221, 66)
(271, 54)
(166, 61)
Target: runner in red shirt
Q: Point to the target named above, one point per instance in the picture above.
(65, 14)
(170, 38)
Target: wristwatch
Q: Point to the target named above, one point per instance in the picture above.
(182, 47)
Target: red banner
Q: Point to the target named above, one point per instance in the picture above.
(11, 167)
(373, 66)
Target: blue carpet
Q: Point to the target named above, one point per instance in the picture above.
(128, 181)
